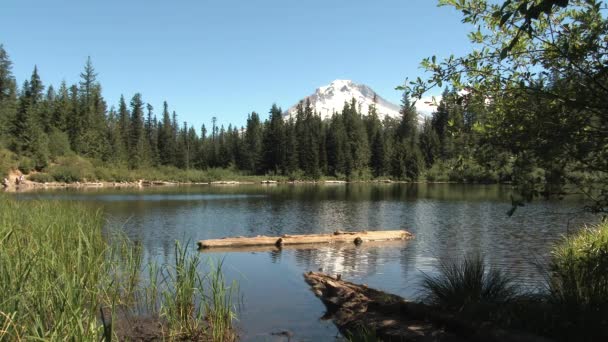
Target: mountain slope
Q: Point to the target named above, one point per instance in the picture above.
(330, 98)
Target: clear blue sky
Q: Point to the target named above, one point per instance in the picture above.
(228, 58)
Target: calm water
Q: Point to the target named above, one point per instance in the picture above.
(448, 221)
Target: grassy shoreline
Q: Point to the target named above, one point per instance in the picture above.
(62, 278)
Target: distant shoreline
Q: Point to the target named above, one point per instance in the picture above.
(32, 186)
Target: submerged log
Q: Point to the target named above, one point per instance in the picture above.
(358, 309)
(286, 240)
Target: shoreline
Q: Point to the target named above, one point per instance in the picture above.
(28, 185)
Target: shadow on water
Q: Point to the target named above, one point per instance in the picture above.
(448, 220)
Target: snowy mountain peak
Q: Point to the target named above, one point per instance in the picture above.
(330, 98)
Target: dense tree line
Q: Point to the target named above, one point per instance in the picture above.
(41, 123)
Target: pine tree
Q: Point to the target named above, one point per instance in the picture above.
(166, 140)
(430, 145)
(253, 143)
(201, 157)
(136, 133)
(374, 135)
(8, 95)
(116, 152)
(151, 133)
(61, 110)
(358, 146)
(274, 142)
(29, 138)
(291, 147)
(7, 80)
(93, 143)
(439, 122)
(308, 137)
(337, 147)
(72, 118)
(88, 81)
(124, 125)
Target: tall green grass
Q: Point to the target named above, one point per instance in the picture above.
(53, 271)
(578, 283)
(62, 279)
(573, 307)
(467, 284)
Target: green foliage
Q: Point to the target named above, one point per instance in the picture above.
(437, 173)
(363, 334)
(41, 177)
(578, 284)
(72, 169)
(8, 161)
(58, 271)
(52, 271)
(26, 165)
(59, 144)
(467, 139)
(539, 70)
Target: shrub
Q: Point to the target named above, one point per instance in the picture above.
(467, 285)
(41, 177)
(578, 283)
(437, 173)
(8, 161)
(59, 144)
(26, 165)
(72, 169)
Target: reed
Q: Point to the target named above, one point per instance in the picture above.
(61, 279)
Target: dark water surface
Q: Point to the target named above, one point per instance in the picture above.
(448, 221)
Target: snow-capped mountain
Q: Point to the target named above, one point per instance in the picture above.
(330, 98)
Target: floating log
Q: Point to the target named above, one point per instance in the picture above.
(354, 307)
(341, 246)
(286, 240)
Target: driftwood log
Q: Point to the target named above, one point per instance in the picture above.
(341, 246)
(354, 308)
(287, 240)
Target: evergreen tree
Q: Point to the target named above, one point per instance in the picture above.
(137, 156)
(308, 137)
(337, 147)
(28, 137)
(61, 109)
(201, 157)
(374, 135)
(253, 143)
(115, 152)
(7, 80)
(440, 122)
(124, 125)
(430, 144)
(8, 95)
(358, 146)
(151, 133)
(291, 147)
(166, 140)
(88, 81)
(274, 142)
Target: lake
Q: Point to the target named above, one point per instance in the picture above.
(448, 221)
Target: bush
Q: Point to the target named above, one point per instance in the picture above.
(437, 173)
(59, 144)
(26, 165)
(41, 177)
(468, 170)
(467, 285)
(72, 169)
(8, 161)
(578, 283)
